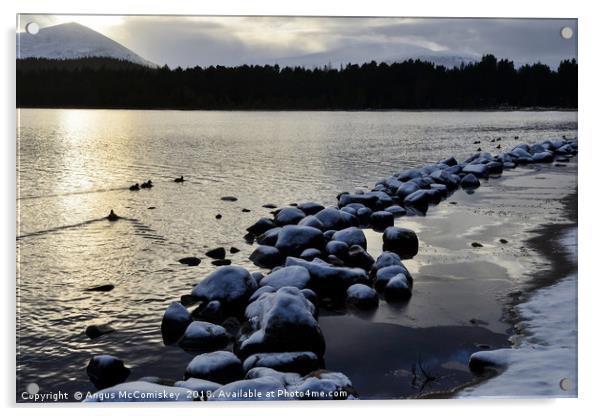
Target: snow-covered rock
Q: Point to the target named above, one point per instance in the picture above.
(362, 296)
(267, 257)
(218, 366)
(204, 336)
(281, 321)
(296, 276)
(301, 362)
(231, 285)
(293, 239)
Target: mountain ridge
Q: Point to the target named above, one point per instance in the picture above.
(72, 41)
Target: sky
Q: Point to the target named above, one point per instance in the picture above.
(314, 41)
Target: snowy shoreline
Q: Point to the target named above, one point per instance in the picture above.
(543, 360)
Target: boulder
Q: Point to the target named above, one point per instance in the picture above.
(337, 248)
(204, 337)
(385, 274)
(106, 371)
(293, 239)
(396, 210)
(543, 157)
(269, 238)
(267, 257)
(477, 169)
(398, 288)
(302, 362)
(328, 279)
(362, 296)
(470, 181)
(358, 257)
(312, 221)
(261, 226)
(334, 219)
(209, 312)
(381, 220)
(281, 321)
(401, 241)
(175, 321)
(363, 216)
(310, 253)
(418, 200)
(310, 208)
(295, 276)
(386, 258)
(231, 285)
(218, 366)
(289, 216)
(351, 236)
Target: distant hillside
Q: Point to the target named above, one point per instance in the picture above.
(72, 41)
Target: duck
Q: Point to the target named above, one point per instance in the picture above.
(179, 180)
(147, 185)
(135, 187)
(112, 216)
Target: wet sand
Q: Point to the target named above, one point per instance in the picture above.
(463, 296)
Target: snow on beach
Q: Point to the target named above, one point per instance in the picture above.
(547, 352)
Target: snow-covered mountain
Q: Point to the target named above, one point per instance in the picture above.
(72, 41)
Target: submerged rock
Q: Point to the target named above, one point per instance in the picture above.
(101, 288)
(219, 366)
(222, 262)
(216, 253)
(95, 331)
(106, 371)
(229, 198)
(190, 261)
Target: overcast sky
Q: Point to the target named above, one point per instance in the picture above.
(189, 41)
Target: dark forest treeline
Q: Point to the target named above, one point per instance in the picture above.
(110, 83)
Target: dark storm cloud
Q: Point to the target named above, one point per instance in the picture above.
(189, 41)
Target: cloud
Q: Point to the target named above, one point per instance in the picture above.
(213, 40)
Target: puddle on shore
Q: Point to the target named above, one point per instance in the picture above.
(460, 291)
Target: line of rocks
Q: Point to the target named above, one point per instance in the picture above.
(317, 256)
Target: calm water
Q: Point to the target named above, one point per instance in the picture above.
(76, 165)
